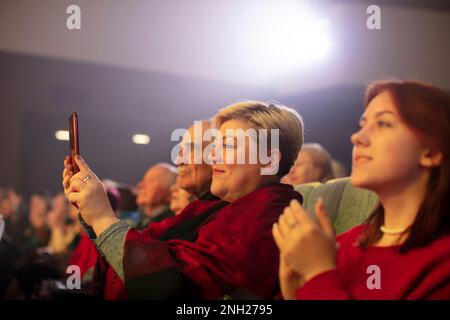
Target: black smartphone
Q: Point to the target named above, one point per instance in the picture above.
(74, 142)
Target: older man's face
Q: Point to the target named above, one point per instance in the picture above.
(154, 189)
(192, 177)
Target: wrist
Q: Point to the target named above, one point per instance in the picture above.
(319, 270)
(101, 224)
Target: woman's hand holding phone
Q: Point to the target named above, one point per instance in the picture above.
(88, 194)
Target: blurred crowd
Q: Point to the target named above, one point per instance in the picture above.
(42, 235)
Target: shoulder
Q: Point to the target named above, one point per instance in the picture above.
(439, 248)
(266, 203)
(275, 193)
(196, 207)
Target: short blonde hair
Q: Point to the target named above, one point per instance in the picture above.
(261, 115)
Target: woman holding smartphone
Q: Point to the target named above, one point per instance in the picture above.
(213, 248)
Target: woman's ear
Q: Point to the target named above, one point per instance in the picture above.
(272, 167)
(431, 158)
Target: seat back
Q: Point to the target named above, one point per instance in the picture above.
(347, 206)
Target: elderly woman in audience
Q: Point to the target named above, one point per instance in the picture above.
(402, 153)
(313, 164)
(212, 248)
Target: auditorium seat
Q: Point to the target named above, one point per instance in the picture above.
(347, 205)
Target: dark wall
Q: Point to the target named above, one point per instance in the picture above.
(38, 94)
(331, 116)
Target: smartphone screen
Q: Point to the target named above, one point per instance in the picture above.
(74, 142)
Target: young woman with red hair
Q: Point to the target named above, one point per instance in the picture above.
(402, 153)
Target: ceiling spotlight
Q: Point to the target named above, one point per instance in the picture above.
(62, 135)
(141, 139)
(281, 37)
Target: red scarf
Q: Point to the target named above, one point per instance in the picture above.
(233, 252)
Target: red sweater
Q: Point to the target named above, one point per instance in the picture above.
(422, 273)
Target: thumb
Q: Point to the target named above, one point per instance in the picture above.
(324, 219)
(81, 164)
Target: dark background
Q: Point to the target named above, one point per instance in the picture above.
(114, 103)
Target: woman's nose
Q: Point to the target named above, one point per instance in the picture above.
(354, 138)
(360, 138)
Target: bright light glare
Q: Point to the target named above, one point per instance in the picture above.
(62, 135)
(141, 139)
(282, 37)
